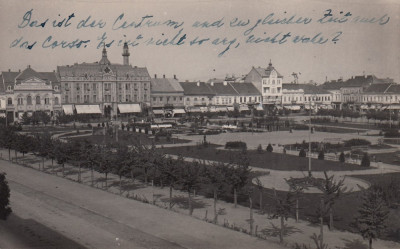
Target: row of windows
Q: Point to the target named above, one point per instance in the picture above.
(9, 88)
(107, 86)
(20, 101)
(268, 81)
(272, 90)
(380, 98)
(107, 98)
(167, 98)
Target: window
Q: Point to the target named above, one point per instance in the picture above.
(120, 87)
(135, 86)
(86, 98)
(167, 99)
(174, 98)
(180, 98)
(46, 101)
(127, 87)
(154, 99)
(187, 99)
(244, 98)
(77, 86)
(273, 82)
(135, 98)
(38, 100)
(66, 98)
(94, 86)
(9, 88)
(20, 101)
(240, 100)
(56, 101)
(29, 100)
(56, 88)
(120, 98)
(94, 98)
(78, 99)
(128, 98)
(66, 85)
(145, 97)
(161, 99)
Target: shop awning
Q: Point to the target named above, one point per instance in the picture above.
(87, 109)
(391, 107)
(194, 109)
(129, 108)
(221, 109)
(178, 111)
(243, 108)
(259, 108)
(203, 109)
(230, 108)
(68, 109)
(158, 112)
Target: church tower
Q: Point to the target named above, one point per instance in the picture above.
(125, 54)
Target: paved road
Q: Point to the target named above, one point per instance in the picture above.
(99, 219)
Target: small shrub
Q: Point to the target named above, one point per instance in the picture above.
(342, 158)
(321, 155)
(365, 161)
(98, 125)
(269, 148)
(356, 142)
(236, 145)
(302, 153)
(89, 125)
(259, 149)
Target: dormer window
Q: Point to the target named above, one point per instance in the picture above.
(9, 88)
(107, 70)
(56, 88)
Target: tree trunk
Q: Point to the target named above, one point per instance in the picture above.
(282, 229)
(132, 175)
(145, 176)
(261, 199)
(106, 174)
(120, 184)
(79, 173)
(91, 175)
(331, 219)
(235, 197)
(370, 243)
(251, 215)
(215, 207)
(297, 209)
(170, 196)
(321, 219)
(16, 156)
(190, 203)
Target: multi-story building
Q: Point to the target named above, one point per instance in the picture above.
(198, 95)
(297, 96)
(268, 81)
(377, 96)
(105, 87)
(28, 92)
(167, 96)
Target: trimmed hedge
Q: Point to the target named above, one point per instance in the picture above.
(236, 145)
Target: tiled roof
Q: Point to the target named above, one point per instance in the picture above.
(222, 89)
(165, 85)
(196, 88)
(394, 88)
(377, 88)
(266, 72)
(95, 69)
(10, 78)
(27, 73)
(2, 85)
(245, 89)
(356, 81)
(307, 88)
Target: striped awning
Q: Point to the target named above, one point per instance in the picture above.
(158, 112)
(68, 109)
(88, 109)
(178, 111)
(243, 108)
(230, 108)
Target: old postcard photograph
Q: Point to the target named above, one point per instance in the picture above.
(200, 124)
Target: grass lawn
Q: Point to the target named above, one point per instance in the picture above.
(50, 129)
(370, 126)
(390, 158)
(261, 160)
(127, 137)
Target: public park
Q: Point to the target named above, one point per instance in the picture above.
(278, 179)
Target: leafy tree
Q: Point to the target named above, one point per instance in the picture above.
(216, 174)
(60, 152)
(22, 144)
(282, 209)
(190, 177)
(107, 160)
(260, 187)
(26, 120)
(321, 155)
(269, 148)
(121, 166)
(7, 135)
(5, 209)
(365, 161)
(342, 158)
(297, 189)
(44, 146)
(331, 190)
(238, 174)
(170, 173)
(372, 215)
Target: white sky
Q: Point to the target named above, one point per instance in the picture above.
(369, 48)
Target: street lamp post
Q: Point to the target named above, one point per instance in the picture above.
(309, 143)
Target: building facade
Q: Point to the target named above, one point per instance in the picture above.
(105, 86)
(166, 92)
(268, 81)
(29, 92)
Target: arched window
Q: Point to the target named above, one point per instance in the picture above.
(273, 82)
(29, 100)
(38, 100)
(9, 101)
(56, 100)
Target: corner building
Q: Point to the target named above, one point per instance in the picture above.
(104, 87)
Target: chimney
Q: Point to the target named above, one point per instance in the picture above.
(163, 76)
(175, 76)
(29, 66)
(155, 76)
